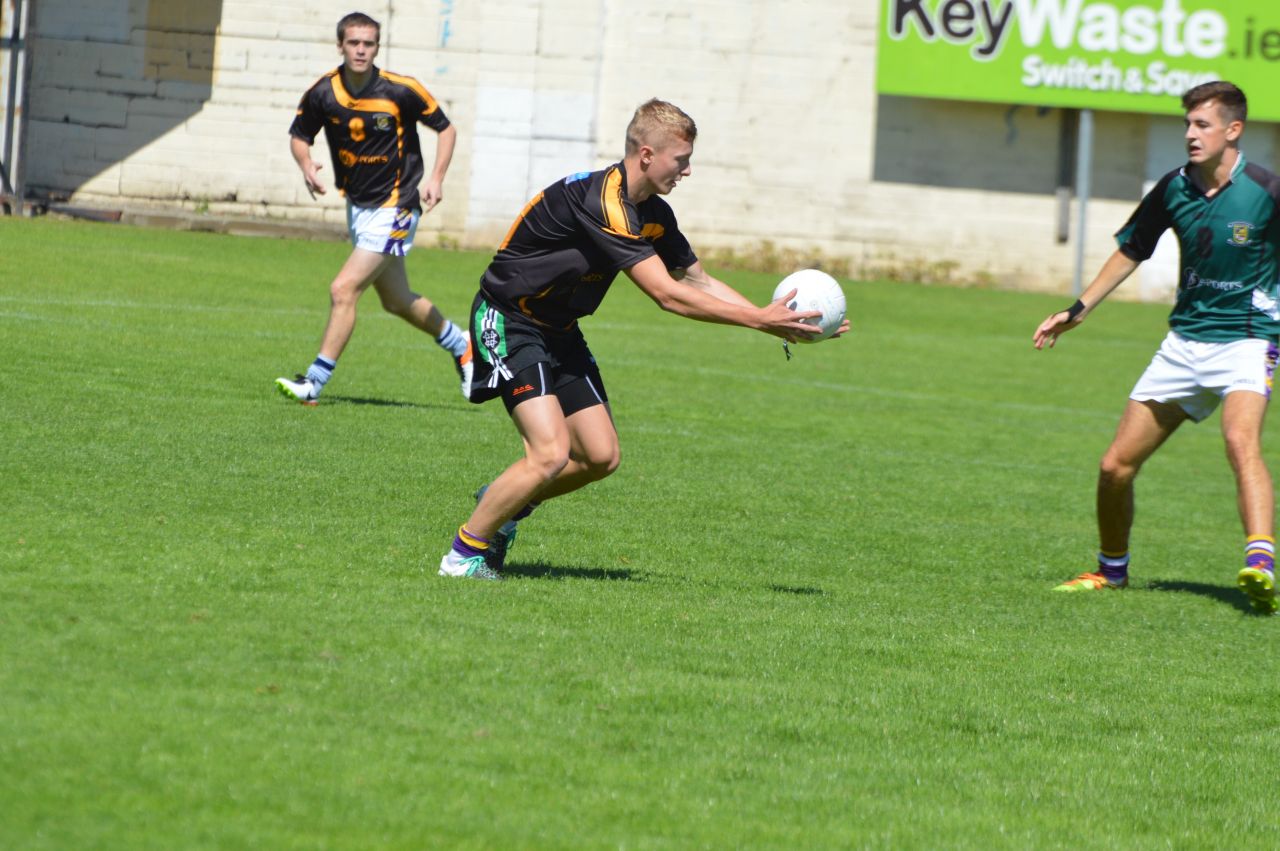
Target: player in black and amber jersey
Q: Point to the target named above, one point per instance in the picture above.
(369, 117)
(373, 142)
(560, 257)
(554, 267)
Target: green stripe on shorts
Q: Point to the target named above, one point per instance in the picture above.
(493, 336)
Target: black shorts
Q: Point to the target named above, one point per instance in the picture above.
(518, 359)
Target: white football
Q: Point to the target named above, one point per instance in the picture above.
(815, 290)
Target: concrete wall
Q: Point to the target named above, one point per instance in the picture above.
(186, 104)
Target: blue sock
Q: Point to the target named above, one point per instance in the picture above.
(321, 370)
(452, 339)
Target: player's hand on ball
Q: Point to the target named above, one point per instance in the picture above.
(782, 321)
(820, 302)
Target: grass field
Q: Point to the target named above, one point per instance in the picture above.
(811, 610)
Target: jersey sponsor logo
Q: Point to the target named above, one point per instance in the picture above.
(1239, 233)
(349, 159)
(591, 278)
(524, 389)
(1194, 281)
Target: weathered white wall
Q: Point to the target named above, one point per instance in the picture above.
(186, 104)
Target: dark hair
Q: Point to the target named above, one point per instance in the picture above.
(357, 19)
(1232, 105)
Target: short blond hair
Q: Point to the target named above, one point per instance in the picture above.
(655, 122)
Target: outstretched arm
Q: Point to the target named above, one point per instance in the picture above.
(692, 302)
(1113, 273)
(699, 277)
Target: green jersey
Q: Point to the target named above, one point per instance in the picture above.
(1229, 246)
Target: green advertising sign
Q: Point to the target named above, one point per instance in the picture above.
(1124, 55)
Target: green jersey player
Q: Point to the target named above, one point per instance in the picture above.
(1221, 346)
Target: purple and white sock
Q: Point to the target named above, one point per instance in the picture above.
(1114, 567)
(1260, 552)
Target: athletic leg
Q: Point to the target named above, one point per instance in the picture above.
(547, 442)
(397, 299)
(546, 438)
(392, 285)
(1143, 428)
(360, 269)
(1243, 413)
(593, 452)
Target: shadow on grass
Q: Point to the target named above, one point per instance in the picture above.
(1230, 596)
(384, 403)
(799, 590)
(551, 571)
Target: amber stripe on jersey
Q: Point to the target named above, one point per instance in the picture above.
(615, 212)
(375, 105)
(417, 88)
(537, 199)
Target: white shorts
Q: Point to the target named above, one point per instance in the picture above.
(1197, 375)
(384, 230)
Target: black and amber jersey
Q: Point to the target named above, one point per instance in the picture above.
(372, 135)
(570, 242)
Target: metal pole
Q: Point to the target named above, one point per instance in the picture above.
(1084, 165)
(15, 48)
(1068, 127)
(17, 173)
